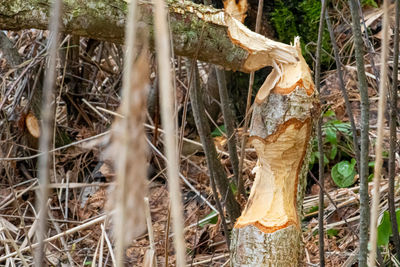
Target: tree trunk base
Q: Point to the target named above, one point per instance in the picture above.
(252, 247)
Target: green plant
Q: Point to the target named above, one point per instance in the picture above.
(333, 146)
(343, 173)
(332, 232)
(338, 150)
(385, 228)
(369, 3)
(292, 18)
(211, 218)
(219, 131)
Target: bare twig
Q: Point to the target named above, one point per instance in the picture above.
(230, 126)
(393, 134)
(149, 224)
(184, 178)
(368, 44)
(55, 237)
(62, 239)
(167, 237)
(186, 100)
(150, 231)
(379, 140)
(333, 203)
(167, 108)
(47, 115)
(319, 138)
(248, 104)
(217, 173)
(362, 85)
(343, 89)
(15, 246)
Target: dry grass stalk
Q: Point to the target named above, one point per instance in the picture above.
(167, 111)
(150, 259)
(47, 115)
(56, 237)
(129, 149)
(379, 141)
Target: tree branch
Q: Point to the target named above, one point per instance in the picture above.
(226, 41)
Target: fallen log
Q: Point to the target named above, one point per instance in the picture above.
(209, 34)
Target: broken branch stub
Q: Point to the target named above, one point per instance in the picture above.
(268, 232)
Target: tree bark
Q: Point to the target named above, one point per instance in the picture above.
(225, 41)
(268, 233)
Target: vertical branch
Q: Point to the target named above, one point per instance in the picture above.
(379, 139)
(343, 89)
(393, 134)
(248, 104)
(319, 138)
(362, 85)
(167, 108)
(230, 127)
(217, 173)
(203, 128)
(368, 44)
(47, 115)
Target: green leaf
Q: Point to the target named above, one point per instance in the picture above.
(312, 209)
(233, 188)
(329, 113)
(345, 168)
(326, 161)
(219, 131)
(211, 218)
(338, 125)
(332, 232)
(370, 177)
(398, 219)
(371, 164)
(330, 134)
(384, 229)
(333, 153)
(353, 162)
(312, 159)
(369, 3)
(343, 173)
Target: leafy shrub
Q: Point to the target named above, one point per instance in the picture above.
(292, 18)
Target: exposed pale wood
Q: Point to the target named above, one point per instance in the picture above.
(268, 231)
(237, 9)
(32, 124)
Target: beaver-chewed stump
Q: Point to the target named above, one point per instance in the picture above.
(268, 232)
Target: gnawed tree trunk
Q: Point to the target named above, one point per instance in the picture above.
(268, 233)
